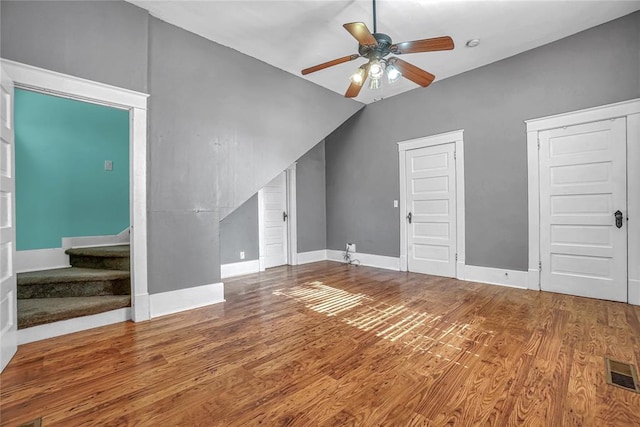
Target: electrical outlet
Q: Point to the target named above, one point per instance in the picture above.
(241, 254)
(351, 247)
(108, 165)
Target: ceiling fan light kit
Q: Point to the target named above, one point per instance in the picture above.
(376, 47)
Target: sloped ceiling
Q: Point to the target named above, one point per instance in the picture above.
(292, 35)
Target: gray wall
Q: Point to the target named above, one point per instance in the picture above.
(595, 67)
(311, 200)
(104, 41)
(239, 229)
(221, 124)
(239, 232)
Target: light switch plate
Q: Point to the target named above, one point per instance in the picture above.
(395, 203)
(108, 165)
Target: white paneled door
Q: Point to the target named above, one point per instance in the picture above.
(583, 210)
(273, 205)
(8, 314)
(431, 210)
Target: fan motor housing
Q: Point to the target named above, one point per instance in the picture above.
(380, 51)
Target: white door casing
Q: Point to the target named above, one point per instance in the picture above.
(626, 110)
(58, 84)
(432, 190)
(8, 287)
(277, 221)
(582, 183)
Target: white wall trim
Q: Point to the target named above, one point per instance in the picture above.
(40, 259)
(497, 276)
(456, 137)
(185, 299)
(292, 224)
(63, 327)
(121, 238)
(594, 114)
(312, 256)
(239, 268)
(630, 110)
(41, 80)
(633, 206)
(634, 291)
(369, 260)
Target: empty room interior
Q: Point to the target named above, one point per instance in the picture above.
(320, 213)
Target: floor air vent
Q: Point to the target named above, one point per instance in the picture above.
(623, 375)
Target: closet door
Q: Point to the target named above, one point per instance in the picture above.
(583, 210)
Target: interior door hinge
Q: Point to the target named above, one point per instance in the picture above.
(456, 257)
(538, 143)
(540, 265)
(454, 155)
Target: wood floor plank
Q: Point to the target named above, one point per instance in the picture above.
(326, 344)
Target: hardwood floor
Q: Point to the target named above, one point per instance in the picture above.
(332, 345)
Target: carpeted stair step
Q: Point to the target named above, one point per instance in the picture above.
(39, 311)
(73, 282)
(102, 257)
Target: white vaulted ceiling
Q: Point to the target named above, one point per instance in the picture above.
(292, 35)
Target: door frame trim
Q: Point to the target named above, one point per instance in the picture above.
(50, 82)
(630, 110)
(292, 223)
(455, 137)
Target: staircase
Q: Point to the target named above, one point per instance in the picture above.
(98, 280)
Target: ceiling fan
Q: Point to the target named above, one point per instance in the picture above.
(376, 47)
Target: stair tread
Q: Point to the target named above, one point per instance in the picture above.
(69, 274)
(117, 251)
(38, 311)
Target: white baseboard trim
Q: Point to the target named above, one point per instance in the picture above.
(41, 259)
(89, 241)
(634, 291)
(378, 261)
(239, 268)
(185, 299)
(56, 329)
(497, 276)
(312, 256)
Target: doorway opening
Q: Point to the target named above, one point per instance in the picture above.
(72, 192)
(432, 213)
(134, 105)
(584, 181)
(277, 222)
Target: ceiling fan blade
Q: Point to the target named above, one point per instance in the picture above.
(330, 64)
(361, 33)
(354, 88)
(413, 73)
(426, 45)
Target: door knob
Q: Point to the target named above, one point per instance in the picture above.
(409, 217)
(284, 216)
(618, 216)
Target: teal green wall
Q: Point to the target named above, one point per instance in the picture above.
(62, 189)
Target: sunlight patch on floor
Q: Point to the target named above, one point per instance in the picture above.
(419, 331)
